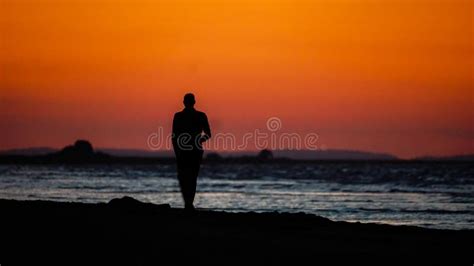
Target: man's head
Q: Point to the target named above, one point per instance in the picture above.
(189, 100)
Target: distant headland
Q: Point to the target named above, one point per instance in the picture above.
(82, 151)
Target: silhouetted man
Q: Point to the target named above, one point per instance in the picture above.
(190, 130)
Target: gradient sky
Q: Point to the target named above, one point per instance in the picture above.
(390, 76)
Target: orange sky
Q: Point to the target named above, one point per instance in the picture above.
(380, 75)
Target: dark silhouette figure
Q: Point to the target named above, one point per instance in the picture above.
(190, 130)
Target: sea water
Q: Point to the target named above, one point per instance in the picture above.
(433, 195)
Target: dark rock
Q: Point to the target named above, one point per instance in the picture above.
(129, 203)
(265, 155)
(213, 156)
(81, 152)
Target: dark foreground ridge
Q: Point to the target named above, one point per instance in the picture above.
(128, 232)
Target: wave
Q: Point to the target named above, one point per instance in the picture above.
(430, 211)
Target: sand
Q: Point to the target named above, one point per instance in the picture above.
(128, 232)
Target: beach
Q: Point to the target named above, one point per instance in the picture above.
(275, 132)
(127, 231)
(430, 195)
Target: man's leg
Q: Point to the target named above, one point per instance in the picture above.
(183, 177)
(195, 165)
(192, 184)
(187, 183)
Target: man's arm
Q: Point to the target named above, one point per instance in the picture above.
(206, 129)
(174, 134)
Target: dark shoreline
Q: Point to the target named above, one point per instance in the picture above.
(126, 231)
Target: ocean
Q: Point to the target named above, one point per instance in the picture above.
(432, 195)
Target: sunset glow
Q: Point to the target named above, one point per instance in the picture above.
(390, 76)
